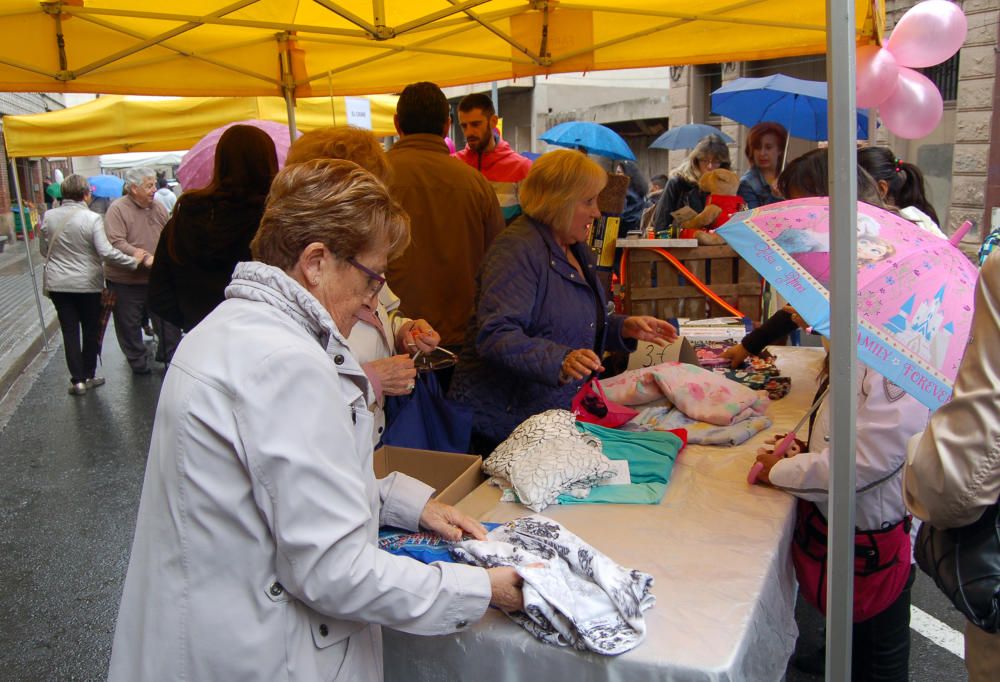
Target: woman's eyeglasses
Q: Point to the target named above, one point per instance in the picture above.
(375, 280)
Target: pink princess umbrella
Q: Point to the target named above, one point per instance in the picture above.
(915, 290)
(195, 171)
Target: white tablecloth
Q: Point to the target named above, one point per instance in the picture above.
(717, 548)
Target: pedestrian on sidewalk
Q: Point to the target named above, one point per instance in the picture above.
(74, 246)
(134, 222)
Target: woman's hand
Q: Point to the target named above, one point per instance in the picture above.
(648, 328)
(736, 355)
(450, 523)
(579, 364)
(505, 584)
(417, 335)
(396, 374)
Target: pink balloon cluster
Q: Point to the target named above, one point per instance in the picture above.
(909, 103)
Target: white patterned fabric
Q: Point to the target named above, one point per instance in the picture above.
(573, 594)
(545, 456)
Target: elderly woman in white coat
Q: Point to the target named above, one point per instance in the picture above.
(952, 471)
(75, 247)
(255, 553)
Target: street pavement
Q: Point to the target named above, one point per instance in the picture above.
(69, 493)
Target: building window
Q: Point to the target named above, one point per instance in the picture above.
(945, 77)
(707, 79)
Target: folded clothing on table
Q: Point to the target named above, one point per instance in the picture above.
(699, 433)
(697, 392)
(552, 458)
(573, 594)
(424, 546)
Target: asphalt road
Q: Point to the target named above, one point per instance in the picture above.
(69, 491)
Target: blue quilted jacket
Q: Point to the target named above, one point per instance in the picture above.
(531, 310)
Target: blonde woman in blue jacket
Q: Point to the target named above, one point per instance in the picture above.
(541, 323)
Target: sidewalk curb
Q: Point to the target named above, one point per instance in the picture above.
(34, 345)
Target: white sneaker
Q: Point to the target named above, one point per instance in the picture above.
(94, 382)
(78, 388)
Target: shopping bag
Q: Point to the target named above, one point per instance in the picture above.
(592, 406)
(426, 420)
(965, 564)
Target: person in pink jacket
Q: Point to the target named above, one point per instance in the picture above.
(489, 154)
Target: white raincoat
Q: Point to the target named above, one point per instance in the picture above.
(254, 555)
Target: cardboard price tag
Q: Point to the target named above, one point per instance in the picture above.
(648, 354)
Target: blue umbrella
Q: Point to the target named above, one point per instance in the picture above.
(592, 138)
(687, 136)
(799, 105)
(108, 186)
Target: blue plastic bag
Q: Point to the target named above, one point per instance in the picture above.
(426, 420)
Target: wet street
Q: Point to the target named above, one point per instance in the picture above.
(72, 472)
(69, 492)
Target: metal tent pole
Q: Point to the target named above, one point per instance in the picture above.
(842, 165)
(27, 246)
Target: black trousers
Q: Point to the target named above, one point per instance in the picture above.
(131, 311)
(79, 311)
(881, 649)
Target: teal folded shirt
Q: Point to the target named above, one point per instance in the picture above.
(650, 456)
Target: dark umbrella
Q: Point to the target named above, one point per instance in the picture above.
(108, 299)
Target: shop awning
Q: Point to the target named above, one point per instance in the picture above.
(344, 47)
(117, 123)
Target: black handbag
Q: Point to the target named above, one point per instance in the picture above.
(965, 565)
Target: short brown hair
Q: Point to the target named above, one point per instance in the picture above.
(557, 181)
(75, 187)
(334, 202)
(345, 142)
(756, 138)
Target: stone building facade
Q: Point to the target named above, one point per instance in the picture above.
(960, 159)
(31, 172)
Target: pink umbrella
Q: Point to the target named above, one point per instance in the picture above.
(915, 290)
(198, 165)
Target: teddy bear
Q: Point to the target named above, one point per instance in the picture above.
(720, 205)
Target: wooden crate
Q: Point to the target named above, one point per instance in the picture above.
(654, 286)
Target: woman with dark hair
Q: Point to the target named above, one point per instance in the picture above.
(682, 187)
(211, 229)
(765, 150)
(901, 185)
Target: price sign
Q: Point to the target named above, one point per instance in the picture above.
(648, 354)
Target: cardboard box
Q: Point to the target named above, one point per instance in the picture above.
(452, 476)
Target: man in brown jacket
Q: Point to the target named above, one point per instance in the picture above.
(454, 216)
(135, 222)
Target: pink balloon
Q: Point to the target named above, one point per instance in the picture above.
(914, 108)
(928, 34)
(877, 75)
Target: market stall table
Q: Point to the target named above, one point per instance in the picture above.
(717, 548)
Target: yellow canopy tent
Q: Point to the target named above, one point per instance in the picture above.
(344, 47)
(347, 47)
(118, 123)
